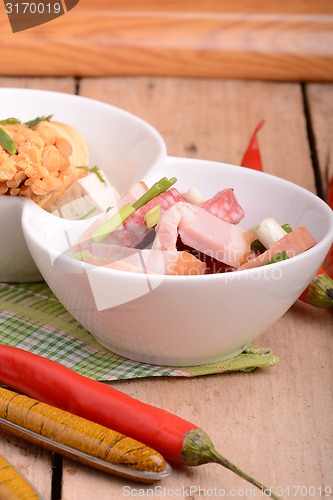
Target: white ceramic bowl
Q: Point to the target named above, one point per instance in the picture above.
(185, 320)
(122, 144)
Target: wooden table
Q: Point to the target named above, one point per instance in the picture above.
(274, 423)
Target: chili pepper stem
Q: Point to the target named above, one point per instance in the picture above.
(198, 449)
(320, 291)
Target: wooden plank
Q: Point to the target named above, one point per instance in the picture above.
(320, 98)
(252, 39)
(274, 423)
(54, 84)
(213, 119)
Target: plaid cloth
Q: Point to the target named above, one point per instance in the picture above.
(32, 318)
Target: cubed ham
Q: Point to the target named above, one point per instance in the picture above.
(294, 243)
(225, 206)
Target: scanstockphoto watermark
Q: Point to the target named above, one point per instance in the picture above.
(190, 491)
(24, 15)
(196, 491)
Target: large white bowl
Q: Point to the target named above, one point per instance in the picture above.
(185, 320)
(122, 144)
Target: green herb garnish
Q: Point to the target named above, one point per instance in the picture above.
(39, 119)
(287, 228)
(278, 258)
(10, 121)
(88, 214)
(93, 170)
(7, 142)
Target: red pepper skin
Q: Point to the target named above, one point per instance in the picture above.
(328, 264)
(252, 157)
(56, 385)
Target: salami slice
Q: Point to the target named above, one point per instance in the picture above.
(225, 206)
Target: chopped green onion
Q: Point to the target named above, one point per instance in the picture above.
(94, 170)
(88, 214)
(152, 217)
(278, 258)
(7, 142)
(112, 224)
(269, 231)
(256, 245)
(38, 120)
(10, 121)
(83, 255)
(159, 187)
(287, 228)
(119, 218)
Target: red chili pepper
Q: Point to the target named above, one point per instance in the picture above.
(178, 440)
(252, 157)
(328, 264)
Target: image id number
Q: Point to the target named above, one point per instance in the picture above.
(304, 491)
(33, 8)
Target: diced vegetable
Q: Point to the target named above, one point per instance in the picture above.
(269, 231)
(194, 196)
(153, 215)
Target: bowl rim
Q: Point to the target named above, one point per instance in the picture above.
(93, 102)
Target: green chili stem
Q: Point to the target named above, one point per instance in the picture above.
(112, 224)
(198, 449)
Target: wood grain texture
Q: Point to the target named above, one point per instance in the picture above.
(320, 98)
(252, 39)
(213, 119)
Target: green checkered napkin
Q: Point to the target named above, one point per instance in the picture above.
(32, 318)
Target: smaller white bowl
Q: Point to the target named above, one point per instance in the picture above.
(185, 320)
(123, 145)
